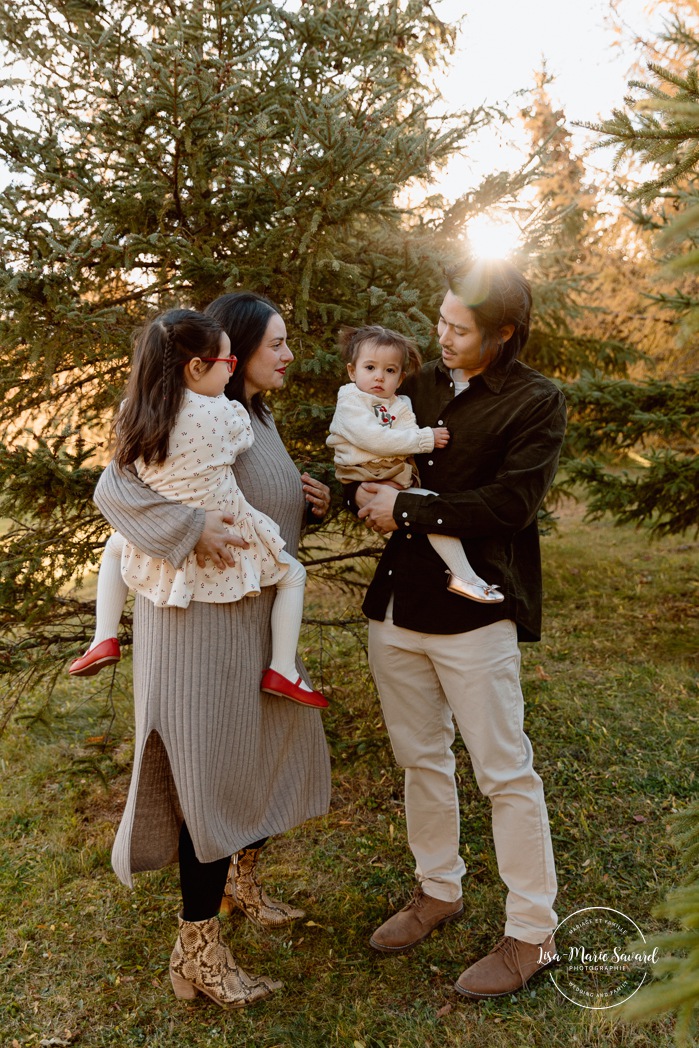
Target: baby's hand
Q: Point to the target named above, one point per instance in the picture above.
(441, 436)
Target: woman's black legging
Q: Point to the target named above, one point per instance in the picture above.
(202, 883)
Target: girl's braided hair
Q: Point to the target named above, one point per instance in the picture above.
(156, 385)
(168, 359)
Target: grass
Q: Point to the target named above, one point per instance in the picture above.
(611, 711)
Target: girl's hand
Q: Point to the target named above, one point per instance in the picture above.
(317, 495)
(215, 539)
(442, 436)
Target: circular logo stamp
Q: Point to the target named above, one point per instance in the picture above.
(597, 967)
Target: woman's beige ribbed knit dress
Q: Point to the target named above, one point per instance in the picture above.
(236, 764)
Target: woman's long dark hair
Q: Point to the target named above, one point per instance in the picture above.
(244, 316)
(156, 385)
(498, 295)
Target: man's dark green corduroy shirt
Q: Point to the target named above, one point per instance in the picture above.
(506, 434)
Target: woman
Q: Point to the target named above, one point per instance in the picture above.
(218, 766)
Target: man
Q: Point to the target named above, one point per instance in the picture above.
(437, 656)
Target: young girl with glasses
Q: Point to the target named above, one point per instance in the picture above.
(182, 436)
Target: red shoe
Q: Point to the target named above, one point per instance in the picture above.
(104, 654)
(275, 684)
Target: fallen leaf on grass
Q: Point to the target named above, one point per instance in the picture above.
(541, 673)
(444, 1010)
(639, 818)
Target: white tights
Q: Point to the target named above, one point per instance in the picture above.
(287, 610)
(287, 613)
(112, 591)
(451, 551)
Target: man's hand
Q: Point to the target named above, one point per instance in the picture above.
(366, 491)
(377, 509)
(215, 539)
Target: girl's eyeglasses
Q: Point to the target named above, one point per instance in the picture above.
(230, 362)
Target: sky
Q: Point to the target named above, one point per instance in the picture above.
(587, 45)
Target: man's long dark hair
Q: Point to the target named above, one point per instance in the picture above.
(498, 295)
(244, 316)
(156, 385)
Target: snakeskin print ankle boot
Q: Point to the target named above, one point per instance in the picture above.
(201, 963)
(244, 892)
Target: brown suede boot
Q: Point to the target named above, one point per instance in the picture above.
(507, 968)
(244, 892)
(414, 922)
(201, 963)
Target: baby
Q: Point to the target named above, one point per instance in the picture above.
(374, 433)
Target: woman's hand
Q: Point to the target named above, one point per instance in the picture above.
(317, 495)
(215, 539)
(377, 511)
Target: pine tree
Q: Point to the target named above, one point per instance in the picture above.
(653, 421)
(603, 335)
(654, 424)
(659, 128)
(166, 151)
(602, 308)
(677, 971)
(565, 341)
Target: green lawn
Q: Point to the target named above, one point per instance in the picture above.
(611, 710)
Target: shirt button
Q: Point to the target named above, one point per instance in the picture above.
(405, 514)
(407, 523)
(440, 521)
(390, 573)
(440, 423)
(408, 536)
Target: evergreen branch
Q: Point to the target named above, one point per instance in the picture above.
(369, 551)
(677, 974)
(335, 623)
